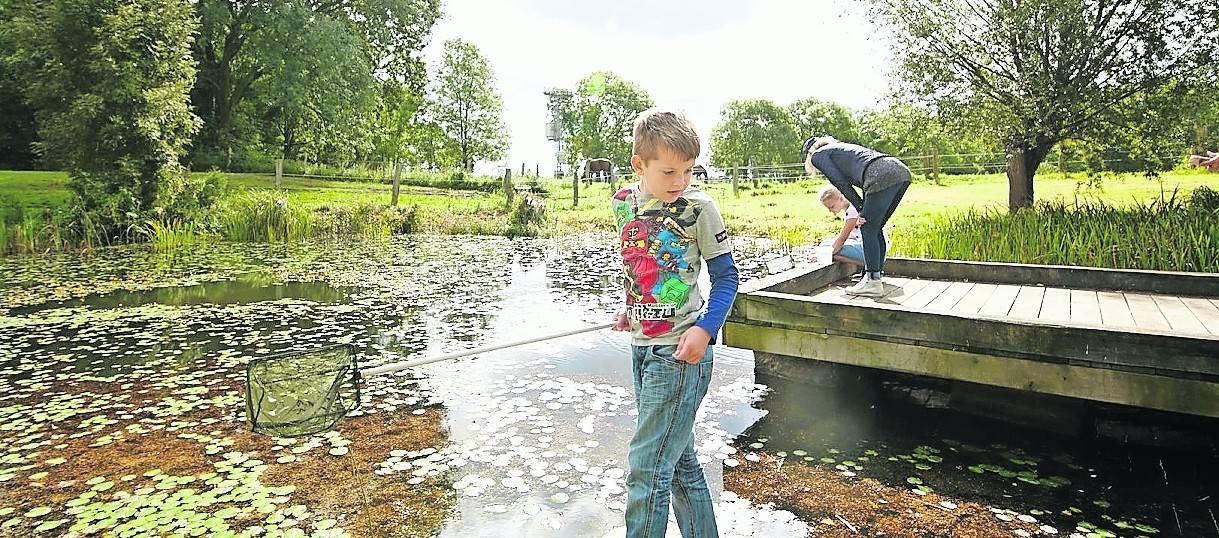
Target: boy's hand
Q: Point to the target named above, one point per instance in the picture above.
(859, 221)
(622, 322)
(692, 345)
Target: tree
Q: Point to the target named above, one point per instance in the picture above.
(811, 117)
(468, 105)
(317, 99)
(17, 128)
(1040, 71)
(241, 42)
(109, 80)
(598, 119)
(754, 131)
(18, 134)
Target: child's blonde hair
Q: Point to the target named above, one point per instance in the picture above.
(827, 193)
(656, 128)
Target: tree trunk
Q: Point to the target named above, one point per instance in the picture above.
(1022, 165)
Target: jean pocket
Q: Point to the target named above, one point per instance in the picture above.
(664, 354)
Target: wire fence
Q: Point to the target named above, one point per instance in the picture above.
(923, 165)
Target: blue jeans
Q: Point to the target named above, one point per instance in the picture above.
(853, 251)
(662, 458)
(877, 208)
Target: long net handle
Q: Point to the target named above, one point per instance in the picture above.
(395, 366)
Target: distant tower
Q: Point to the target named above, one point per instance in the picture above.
(557, 102)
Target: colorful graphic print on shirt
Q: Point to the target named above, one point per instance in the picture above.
(653, 242)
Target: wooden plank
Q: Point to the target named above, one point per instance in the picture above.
(1193, 396)
(1000, 302)
(1056, 305)
(1095, 278)
(892, 285)
(1206, 312)
(1028, 303)
(1085, 307)
(1144, 350)
(973, 301)
(828, 293)
(1178, 315)
(1146, 313)
(1114, 311)
(924, 296)
(955, 292)
(800, 280)
(898, 296)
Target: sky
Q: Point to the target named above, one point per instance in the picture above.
(690, 56)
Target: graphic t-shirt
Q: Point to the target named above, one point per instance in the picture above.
(663, 247)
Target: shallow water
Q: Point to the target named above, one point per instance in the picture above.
(537, 435)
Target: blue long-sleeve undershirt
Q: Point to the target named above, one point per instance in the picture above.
(724, 283)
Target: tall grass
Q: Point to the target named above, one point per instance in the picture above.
(271, 217)
(263, 216)
(169, 235)
(528, 217)
(1170, 234)
(365, 219)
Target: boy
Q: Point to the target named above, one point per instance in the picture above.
(847, 247)
(667, 231)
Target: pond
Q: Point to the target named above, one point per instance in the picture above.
(121, 406)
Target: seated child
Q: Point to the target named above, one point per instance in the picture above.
(848, 245)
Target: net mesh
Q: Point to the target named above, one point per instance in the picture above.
(303, 392)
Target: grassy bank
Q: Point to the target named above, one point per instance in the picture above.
(1175, 233)
(255, 210)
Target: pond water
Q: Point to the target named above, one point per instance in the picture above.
(126, 348)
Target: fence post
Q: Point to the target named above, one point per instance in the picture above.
(935, 166)
(575, 190)
(508, 187)
(279, 171)
(522, 169)
(397, 182)
(537, 171)
(735, 176)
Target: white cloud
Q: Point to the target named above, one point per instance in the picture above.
(775, 49)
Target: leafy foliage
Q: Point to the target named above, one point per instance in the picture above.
(598, 117)
(1037, 72)
(468, 106)
(110, 80)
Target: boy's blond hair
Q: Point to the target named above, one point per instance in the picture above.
(657, 128)
(827, 193)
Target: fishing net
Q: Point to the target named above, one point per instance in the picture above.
(302, 392)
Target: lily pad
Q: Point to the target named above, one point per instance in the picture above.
(38, 512)
(48, 525)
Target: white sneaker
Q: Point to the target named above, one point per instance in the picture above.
(867, 287)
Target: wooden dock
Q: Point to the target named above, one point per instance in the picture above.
(1140, 338)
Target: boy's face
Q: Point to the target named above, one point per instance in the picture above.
(666, 176)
